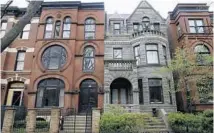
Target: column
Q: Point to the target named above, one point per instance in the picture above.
(135, 97)
(55, 118)
(31, 121)
(8, 120)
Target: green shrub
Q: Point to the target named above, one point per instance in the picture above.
(190, 123)
(117, 120)
(19, 124)
(42, 124)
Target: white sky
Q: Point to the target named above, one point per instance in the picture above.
(128, 6)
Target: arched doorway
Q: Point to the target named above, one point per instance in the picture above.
(88, 95)
(121, 91)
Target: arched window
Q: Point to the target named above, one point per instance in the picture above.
(50, 93)
(202, 52)
(90, 28)
(49, 27)
(145, 22)
(54, 57)
(66, 27)
(57, 29)
(88, 59)
(15, 94)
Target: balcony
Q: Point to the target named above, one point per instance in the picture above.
(147, 32)
(120, 65)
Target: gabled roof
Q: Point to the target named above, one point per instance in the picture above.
(145, 4)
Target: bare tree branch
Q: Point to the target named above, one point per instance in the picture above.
(10, 36)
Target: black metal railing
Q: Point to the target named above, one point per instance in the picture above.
(19, 125)
(88, 121)
(65, 115)
(3, 108)
(43, 118)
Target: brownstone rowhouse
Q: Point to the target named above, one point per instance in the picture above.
(191, 25)
(58, 58)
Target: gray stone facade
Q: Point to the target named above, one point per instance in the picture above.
(126, 67)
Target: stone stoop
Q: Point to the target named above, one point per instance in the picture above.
(155, 126)
(80, 124)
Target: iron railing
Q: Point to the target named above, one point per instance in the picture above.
(68, 114)
(19, 125)
(88, 121)
(43, 118)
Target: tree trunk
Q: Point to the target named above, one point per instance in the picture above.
(10, 36)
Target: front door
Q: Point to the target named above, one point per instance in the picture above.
(88, 95)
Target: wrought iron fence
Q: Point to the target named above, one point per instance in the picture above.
(3, 108)
(88, 123)
(19, 125)
(43, 120)
(69, 116)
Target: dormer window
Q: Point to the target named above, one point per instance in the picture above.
(116, 28)
(146, 23)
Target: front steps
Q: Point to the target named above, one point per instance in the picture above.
(80, 124)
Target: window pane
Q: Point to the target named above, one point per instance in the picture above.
(27, 27)
(201, 49)
(116, 26)
(117, 53)
(151, 47)
(66, 34)
(88, 64)
(191, 23)
(25, 34)
(137, 51)
(49, 27)
(135, 26)
(155, 94)
(3, 26)
(156, 26)
(114, 96)
(123, 96)
(90, 21)
(199, 22)
(66, 27)
(2, 33)
(90, 28)
(67, 20)
(48, 34)
(89, 52)
(21, 56)
(90, 35)
(152, 57)
(49, 20)
(54, 63)
(192, 30)
(200, 29)
(19, 65)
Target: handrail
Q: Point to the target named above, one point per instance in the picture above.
(86, 120)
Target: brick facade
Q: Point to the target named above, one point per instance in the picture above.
(71, 72)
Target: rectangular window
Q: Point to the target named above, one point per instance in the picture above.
(164, 54)
(20, 61)
(178, 30)
(136, 26)
(3, 29)
(66, 30)
(140, 87)
(152, 53)
(117, 53)
(155, 90)
(137, 54)
(117, 28)
(196, 26)
(157, 26)
(25, 32)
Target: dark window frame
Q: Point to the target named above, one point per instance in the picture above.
(121, 49)
(156, 87)
(165, 54)
(17, 61)
(49, 31)
(91, 31)
(48, 55)
(140, 87)
(196, 26)
(88, 58)
(158, 63)
(66, 23)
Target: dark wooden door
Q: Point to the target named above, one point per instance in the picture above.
(88, 95)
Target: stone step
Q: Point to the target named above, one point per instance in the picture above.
(77, 122)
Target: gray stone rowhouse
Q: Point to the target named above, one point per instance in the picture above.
(120, 34)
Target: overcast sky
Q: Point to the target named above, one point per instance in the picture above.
(128, 6)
